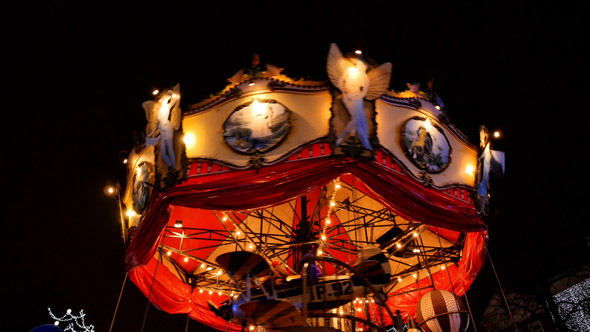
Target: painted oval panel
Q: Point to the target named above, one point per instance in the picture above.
(257, 126)
(426, 145)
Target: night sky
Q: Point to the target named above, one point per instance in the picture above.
(76, 74)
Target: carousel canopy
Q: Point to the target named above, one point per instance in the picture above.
(282, 167)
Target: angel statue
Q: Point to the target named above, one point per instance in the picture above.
(488, 160)
(356, 81)
(163, 116)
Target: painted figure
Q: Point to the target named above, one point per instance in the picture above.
(356, 81)
(164, 117)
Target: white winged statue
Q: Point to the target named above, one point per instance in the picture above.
(164, 117)
(350, 76)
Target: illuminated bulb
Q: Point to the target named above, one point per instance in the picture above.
(252, 327)
(200, 291)
(332, 203)
(210, 292)
(372, 301)
(224, 218)
(415, 275)
(130, 213)
(189, 140)
(399, 279)
(155, 92)
(186, 259)
(496, 134)
(219, 293)
(219, 272)
(443, 267)
(415, 234)
(169, 253)
(258, 108)
(437, 107)
(174, 95)
(337, 185)
(238, 233)
(203, 265)
(178, 224)
(324, 237)
(328, 221)
(398, 245)
(251, 84)
(251, 246)
(56, 323)
(359, 309)
(209, 268)
(353, 72)
(69, 311)
(341, 312)
(320, 252)
(110, 190)
(469, 169)
(359, 52)
(125, 161)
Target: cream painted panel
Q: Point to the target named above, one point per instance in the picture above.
(309, 118)
(391, 120)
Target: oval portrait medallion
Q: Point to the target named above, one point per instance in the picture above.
(257, 126)
(426, 145)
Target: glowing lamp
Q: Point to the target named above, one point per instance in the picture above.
(155, 92)
(178, 224)
(353, 72)
(359, 52)
(189, 140)
(470, 169)
(130, 213)
(497, 134)
(258, 108)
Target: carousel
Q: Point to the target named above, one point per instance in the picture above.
(288, 205)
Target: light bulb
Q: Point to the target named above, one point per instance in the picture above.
(189, 140)
(210, 292)
(332, 203)
(328, 221)
(200, 291)
(155, 92)
(443, 267)
(399, 279)
(169, 253)
(186, 259)
(324, 237)
(353, 72)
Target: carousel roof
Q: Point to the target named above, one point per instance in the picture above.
(348, 160)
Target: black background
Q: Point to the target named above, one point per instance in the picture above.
(76, 74)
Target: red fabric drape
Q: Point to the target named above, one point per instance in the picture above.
(253, 189)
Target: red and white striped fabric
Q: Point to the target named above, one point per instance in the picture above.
(442, 311)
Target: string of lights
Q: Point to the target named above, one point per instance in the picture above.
(73, 320)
